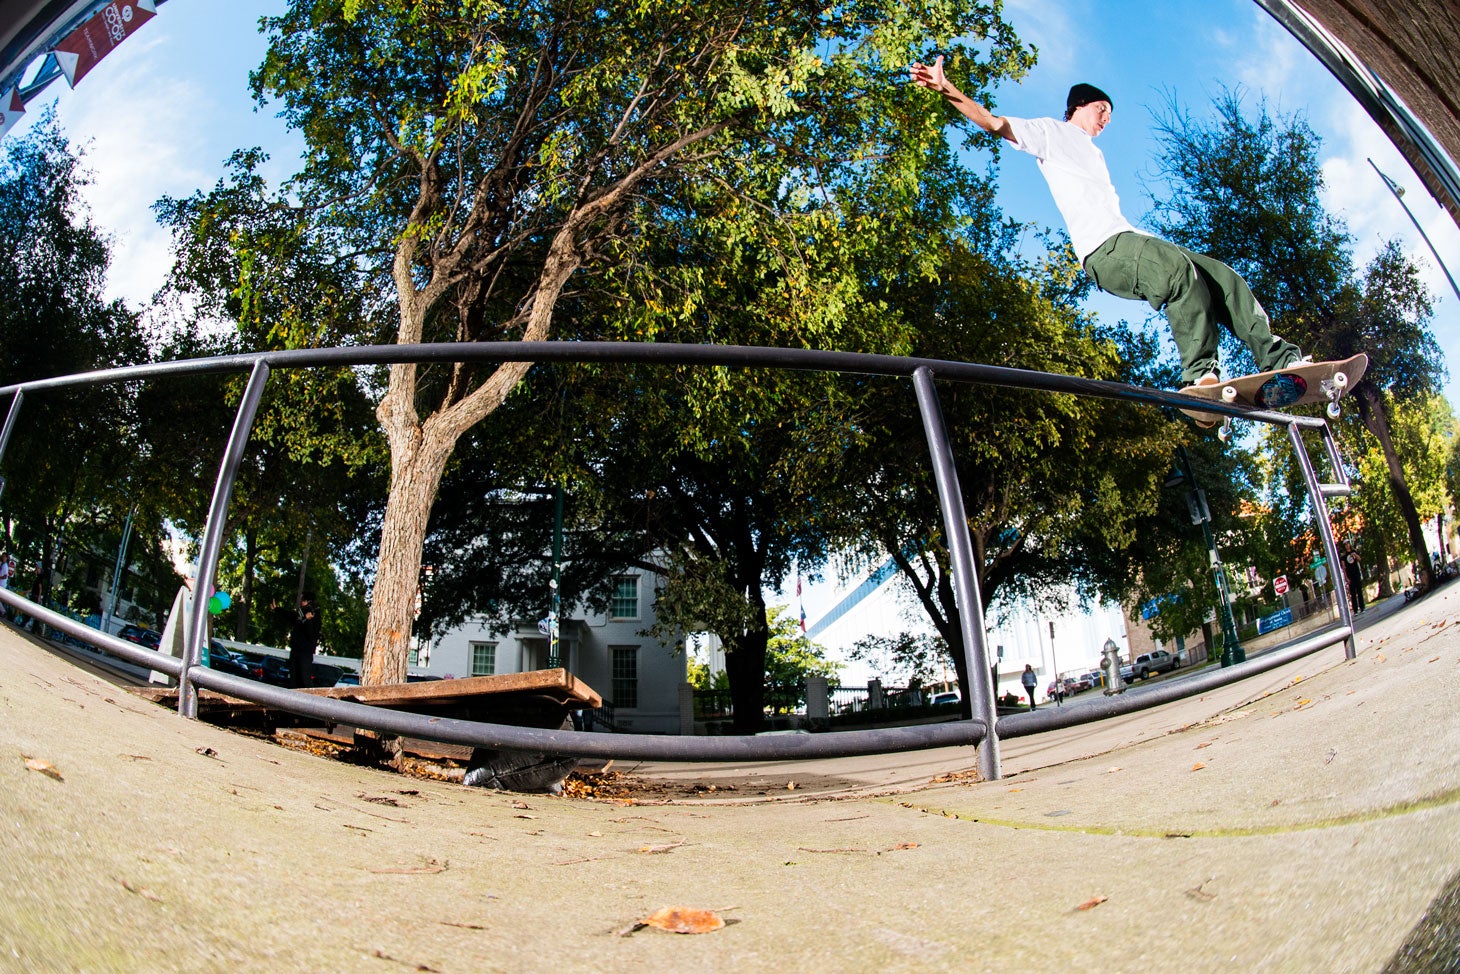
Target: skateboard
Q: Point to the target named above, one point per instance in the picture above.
(1296, 385)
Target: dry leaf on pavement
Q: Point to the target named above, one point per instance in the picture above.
(1198, 766)
(44, 767)
(1092, 902)
(682, 919)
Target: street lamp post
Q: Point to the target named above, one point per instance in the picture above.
(1398, 192)
(1196, 500)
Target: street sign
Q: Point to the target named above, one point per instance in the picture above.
(1275, 621)
(1280, 585)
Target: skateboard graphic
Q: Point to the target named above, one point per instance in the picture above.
(1296, 385)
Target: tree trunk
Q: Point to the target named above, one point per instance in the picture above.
(745, 668)
(1376, 421)
(1380, 557)
(415, 475)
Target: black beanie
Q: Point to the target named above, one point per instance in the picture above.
(1083, 94)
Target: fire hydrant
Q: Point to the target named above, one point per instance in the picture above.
(1110, 663)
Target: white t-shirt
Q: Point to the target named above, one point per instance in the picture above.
(1077, 177)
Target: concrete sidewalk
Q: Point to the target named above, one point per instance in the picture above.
(1306, 820)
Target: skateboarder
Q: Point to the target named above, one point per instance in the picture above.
(1197, 292)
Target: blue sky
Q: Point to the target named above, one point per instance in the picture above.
(162, 113)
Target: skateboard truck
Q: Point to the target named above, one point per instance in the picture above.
(1333, 389)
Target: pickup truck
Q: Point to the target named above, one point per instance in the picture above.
(1147, 663)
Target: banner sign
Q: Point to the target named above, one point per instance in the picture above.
(14, 108)
(1275, 621)
(80, 51)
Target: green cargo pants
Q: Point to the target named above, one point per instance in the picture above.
(1197, 293)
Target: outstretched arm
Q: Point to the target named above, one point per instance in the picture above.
(932, 77)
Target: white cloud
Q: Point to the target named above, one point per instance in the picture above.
(138, 148)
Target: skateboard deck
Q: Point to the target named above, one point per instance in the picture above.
(1296, 385)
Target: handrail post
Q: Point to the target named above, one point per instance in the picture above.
(1325, 531)
(965, 579)
(10, 416)
(187, 695)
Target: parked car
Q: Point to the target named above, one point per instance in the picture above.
(227, 661)
(944, 697)
(141, 635)
(1147, 663)
(1095, 678)
(276, 671)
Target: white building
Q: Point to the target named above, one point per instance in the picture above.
(610, 651)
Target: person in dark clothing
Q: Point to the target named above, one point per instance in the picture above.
(1354, 573)
(303, 638)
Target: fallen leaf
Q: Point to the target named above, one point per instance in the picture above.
(1092, 902)
(681, 919)
(1435, 660)
(427, 870)
(44, 767)
(1198, 766)
(660, 849)
(596, 835)
(1304, 702)
(1202, 745)
(1111, 770)
(143, 892)
(1197, 893)
(790, 786)
(903, 845)
(1015, 789)
(1379, 658)
(520, 804)
(524, 816)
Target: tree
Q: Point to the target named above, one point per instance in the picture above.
(474, 156)
(1246, 191)
(1421, 433)
(906, 658)
(72, 452)
(316, 461)
(1054, 485)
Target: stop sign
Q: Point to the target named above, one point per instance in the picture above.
(1280, 585)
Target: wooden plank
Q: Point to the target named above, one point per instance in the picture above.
(557, 684)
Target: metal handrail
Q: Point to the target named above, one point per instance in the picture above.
(984, 728)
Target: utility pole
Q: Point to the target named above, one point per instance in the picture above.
(1054, 664)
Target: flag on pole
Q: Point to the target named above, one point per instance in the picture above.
(14, 108)
(81, 49)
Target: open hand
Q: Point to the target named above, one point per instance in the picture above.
(928, 76)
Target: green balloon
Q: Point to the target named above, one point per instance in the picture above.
(215, 604)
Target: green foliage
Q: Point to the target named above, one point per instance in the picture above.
(1245, 189)
(904, 659)
(72, 453)
(790, 657)
(1423, 432)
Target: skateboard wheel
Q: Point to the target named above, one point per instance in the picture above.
(1333, 410)
(1340, 380)
(1225, 432)
(1229, 393)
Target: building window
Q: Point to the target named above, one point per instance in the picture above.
(483, 659)
(625, 676)
(625, 604)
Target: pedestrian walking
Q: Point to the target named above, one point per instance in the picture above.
(1030, 681)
